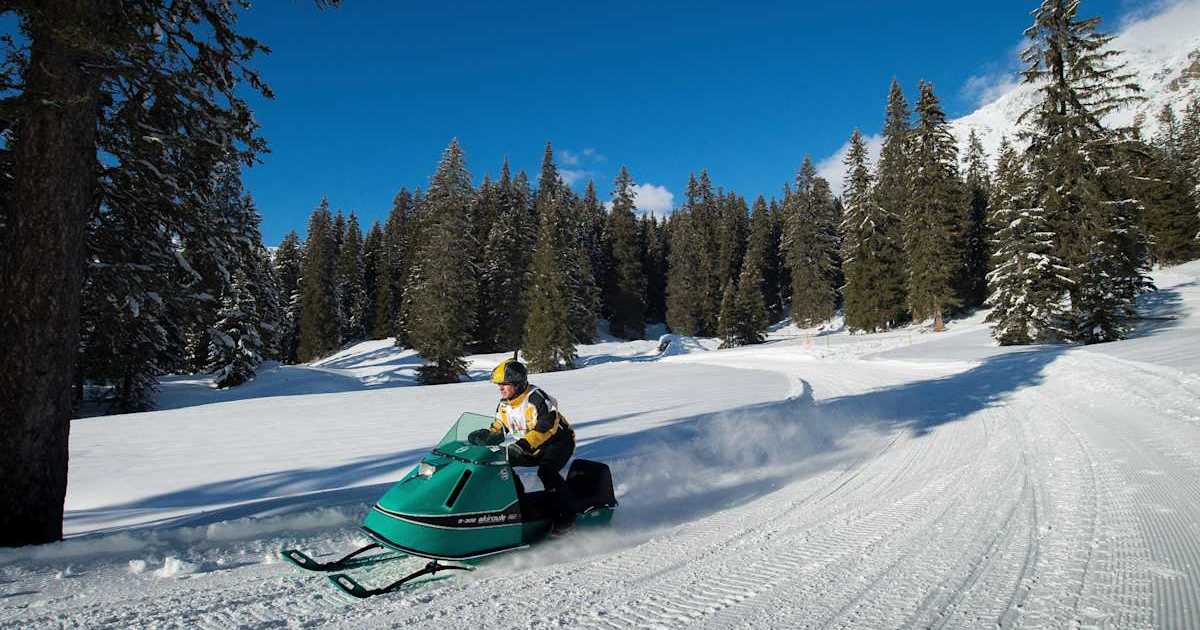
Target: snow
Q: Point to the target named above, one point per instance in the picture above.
(899, 479)
(1162, 51)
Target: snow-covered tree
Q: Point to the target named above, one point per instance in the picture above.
(1028, 279)
(236, 347)
(1075, 165)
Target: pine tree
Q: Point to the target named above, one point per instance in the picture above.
(778, 276)
(750, 305)
(731, 236)
(1162, 181)
(318, 303)
(581, 280)
(760, 252)
(809, 248)
(157, 90)
(685, 293)
(506, 256)
(933, 225)
(627, 280)
(442, 290)
(373, 252)
(596, 241)
(392, 267)
(1075, 166)
(350, 277)
(1027, 277)
(728, 319)
(654, 263)
(236, 347)
(288, 260)
(971, 284)
(893, 190)
(549, 342)
(271, 311)
(871, 250)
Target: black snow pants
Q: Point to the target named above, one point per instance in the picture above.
(549, 460)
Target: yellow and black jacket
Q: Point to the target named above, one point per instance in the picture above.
(531, 416)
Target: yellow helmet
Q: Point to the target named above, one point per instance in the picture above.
(510, 371)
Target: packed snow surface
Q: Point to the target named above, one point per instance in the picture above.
(822, 480)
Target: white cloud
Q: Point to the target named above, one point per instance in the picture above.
(832, 169)
(653, 198)
(568, 157)
(982, 89)
(650, 198)
(571, 176)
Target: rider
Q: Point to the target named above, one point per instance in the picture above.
(545, 439)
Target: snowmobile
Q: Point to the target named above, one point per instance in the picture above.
(460, 504)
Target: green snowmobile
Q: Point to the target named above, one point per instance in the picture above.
(462, 503)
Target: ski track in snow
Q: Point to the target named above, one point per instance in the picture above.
(889, 481)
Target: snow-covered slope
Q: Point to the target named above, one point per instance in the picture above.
(904, 479)
(1163, 51)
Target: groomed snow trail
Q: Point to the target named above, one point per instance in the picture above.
(898, 482)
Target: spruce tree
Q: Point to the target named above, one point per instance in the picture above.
(778, 276)
(440, 300)
(109, 93)
(391, 268)
(271, 310)
(581, 280)
(506, 256)
(971, 284)
(871, 250)
(1075, 164)
(933, 223)
(1027, 277)
(373, 251)
(236, 347)
(627, 280)
(809, 248)
(728, 319)
(318, 304)
(892, 174)
(594, 239)
(1162, 180)
(350, 278)
(288, 260)
(654, 262)
(731, 236)
(750, 305)
(686, 275)
(549, 342)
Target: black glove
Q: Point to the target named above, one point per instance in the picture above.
(478, 436)
(519, 450)
(493, 438)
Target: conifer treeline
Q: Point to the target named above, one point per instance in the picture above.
(1057, 239)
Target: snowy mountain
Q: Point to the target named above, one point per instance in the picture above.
(1163, 51)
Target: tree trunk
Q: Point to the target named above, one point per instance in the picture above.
(41, 271)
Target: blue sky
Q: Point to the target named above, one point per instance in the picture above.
(368, 95)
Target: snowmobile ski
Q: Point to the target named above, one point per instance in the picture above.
(350, 586)
(349, 561)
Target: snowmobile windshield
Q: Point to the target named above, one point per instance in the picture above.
(466, 423)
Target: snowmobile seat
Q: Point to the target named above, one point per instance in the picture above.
(591, 486)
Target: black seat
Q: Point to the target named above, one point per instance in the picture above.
(591, 485)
